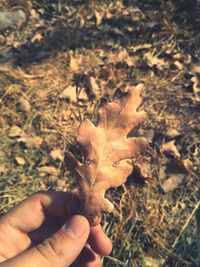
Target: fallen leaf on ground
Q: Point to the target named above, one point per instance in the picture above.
(20, 160)
(179, 65)
(196, 88)
(56, 154)
(153, 60)
(2, 169)
(172, 133)
(49, 170)
(185, 165)
(82, 22)
(153, 258)
(121, 56)
(15, 131)
(148, 134)
(61, 185)
(98, 17)
(70, 94)
(172, 182)
(107, 151)
(37, 37)
(170, 148)
(24, 104)
(143, 167)
(75, 62)
(31, 141)
(34, 14)
(171, 173)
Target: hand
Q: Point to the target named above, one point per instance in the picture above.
(39, 233)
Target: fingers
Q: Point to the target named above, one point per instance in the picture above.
(37, 208)
(31, 215)
(99, 242)
(59, 250)
(48, 228)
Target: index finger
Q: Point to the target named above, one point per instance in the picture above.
(32, 212)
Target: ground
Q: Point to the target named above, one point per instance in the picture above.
(57, 64)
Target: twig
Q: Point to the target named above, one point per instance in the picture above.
(177, 257)
(170, 252)
(115, 260)
(127, 236)
(186, 224)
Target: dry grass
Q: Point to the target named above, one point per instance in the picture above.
(148, 227)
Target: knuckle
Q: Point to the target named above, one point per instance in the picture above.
(53, 248)
(48, 251)
(38, 194)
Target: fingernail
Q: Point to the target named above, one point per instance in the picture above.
(76, 226)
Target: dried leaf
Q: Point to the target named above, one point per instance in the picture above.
(107, 152)
(69, 93)
(148, 134)
(143, 167)
(20, 160)
(98, 17)
(179, 65)
(188, 165)
(121, 56)
(37, 37)
(24, 104)
(153, 60)
(170, 148)
(82, 22)
(196, 88)
(172, 182)
(109, 15)
(31, 141)
(172, 133)
(153, 258)
(56, 154)
(75, 62)
(15, 131)
(184, 165)
(34, 14)
(49, 170)
(172, 173)
(2, 169)
(61, 184)
(196, 68)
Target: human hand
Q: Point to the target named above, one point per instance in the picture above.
(39, 233)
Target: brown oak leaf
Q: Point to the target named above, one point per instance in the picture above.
(108, 154)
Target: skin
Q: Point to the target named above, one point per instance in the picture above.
(39, 232)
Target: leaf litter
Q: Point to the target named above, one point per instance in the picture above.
(113, 53)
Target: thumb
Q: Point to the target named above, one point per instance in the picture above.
(60, 250)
